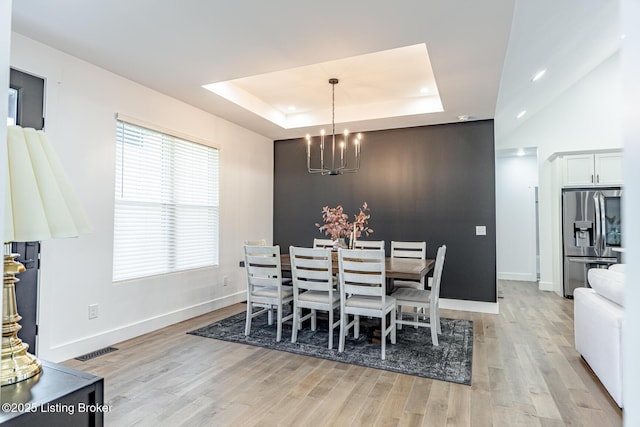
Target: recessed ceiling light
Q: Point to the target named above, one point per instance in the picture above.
(464, 118)
(520, 152)
(424, 90)
(292, 108)
(538, 75)
(521, 113)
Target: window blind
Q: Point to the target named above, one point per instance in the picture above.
(166, 203)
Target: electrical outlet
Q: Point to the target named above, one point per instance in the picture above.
(481, 230)
(225, 281)
(93, 311)
(241, 263)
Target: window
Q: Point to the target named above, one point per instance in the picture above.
(166, 203)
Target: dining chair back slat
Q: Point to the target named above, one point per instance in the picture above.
(311, 276)
(369, 244)
(259, 242)
(322, 243)
(264, 282)
(360, 255)
(308, 264)
(260, 250)
(363, 267)
(404, 254)
(362, 289)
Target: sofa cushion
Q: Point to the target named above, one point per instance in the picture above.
(620, 268)
(608, 283)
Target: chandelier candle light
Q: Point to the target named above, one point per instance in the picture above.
(341, 166)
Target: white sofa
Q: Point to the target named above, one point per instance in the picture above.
(598, 318)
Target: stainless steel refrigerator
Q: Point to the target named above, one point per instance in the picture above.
(591, 230)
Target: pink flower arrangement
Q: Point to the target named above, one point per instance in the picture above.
(361, 222)
(337, 225)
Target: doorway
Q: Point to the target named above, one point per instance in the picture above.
(26, 109)
(517, 243)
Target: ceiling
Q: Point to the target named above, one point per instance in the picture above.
(392, 83)
(278, 54)
(567, 38)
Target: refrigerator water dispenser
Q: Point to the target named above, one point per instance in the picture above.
(583, 231)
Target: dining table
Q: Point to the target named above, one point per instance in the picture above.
(395, 268)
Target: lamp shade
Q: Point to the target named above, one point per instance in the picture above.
(40, 202)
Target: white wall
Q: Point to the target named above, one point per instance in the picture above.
(630, 15)
(5, 47)
(516, 181)
(586, 116)
(81, 100)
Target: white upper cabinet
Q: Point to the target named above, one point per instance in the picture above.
(608, 168)
(579, 170)
(586, 170)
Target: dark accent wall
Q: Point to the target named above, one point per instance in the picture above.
(432, 183)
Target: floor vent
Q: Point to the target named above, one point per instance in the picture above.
(95, 354)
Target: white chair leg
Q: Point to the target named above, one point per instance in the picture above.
(434, 328)
(383, 335)
(247, 326)
(313, 320)
(437, 310)
(330, 328)
(356, 326)
(393, 327)
(342, 331)
(296, 325)
(270, 314)
(279, 325)
(399, 317)
(415, 316)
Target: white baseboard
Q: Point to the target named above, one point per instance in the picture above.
(88, 344)
(465, 305)
(523, 277)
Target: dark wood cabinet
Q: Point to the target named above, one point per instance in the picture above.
(58, 396)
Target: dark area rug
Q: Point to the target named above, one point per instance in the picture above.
(413, 354)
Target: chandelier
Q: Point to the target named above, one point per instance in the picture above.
(339, 162)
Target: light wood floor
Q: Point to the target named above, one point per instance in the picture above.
(525, 373)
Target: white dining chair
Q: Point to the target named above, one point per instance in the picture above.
(322, 243)
(369, 244)
(413, 250)
(423, 299)
(265, 289)
(363, 293)
(313, 288)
